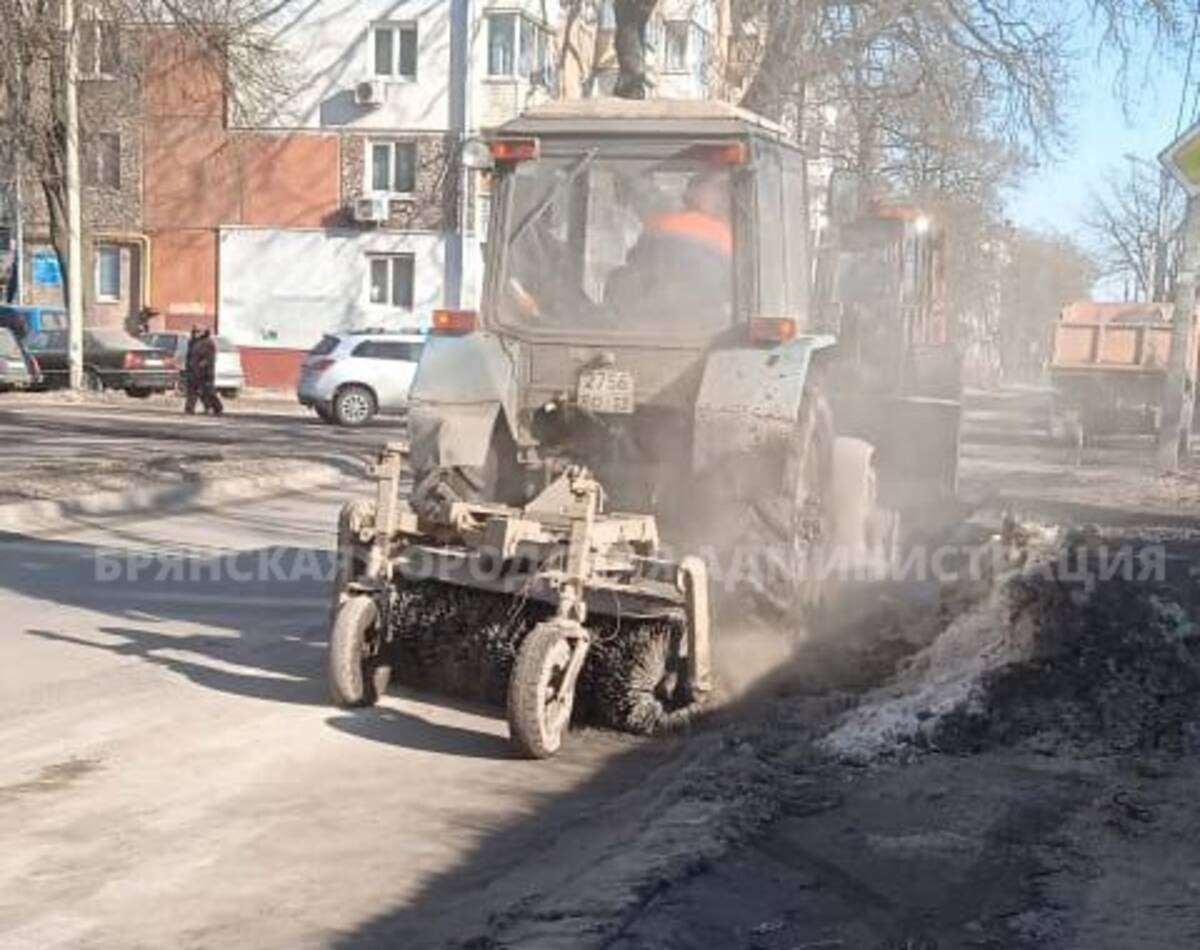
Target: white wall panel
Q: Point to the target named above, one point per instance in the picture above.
(327, 45)
(286, 287)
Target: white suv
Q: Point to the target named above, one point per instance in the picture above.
(349, 377)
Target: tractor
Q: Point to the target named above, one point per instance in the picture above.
(633, 440)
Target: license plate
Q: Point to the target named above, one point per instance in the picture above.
(153, 363)
(606, 390)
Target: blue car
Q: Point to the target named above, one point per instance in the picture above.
(24, 320)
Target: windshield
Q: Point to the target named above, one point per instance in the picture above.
(621, 245)
(161, 341)
(112, 339)
(326, 345)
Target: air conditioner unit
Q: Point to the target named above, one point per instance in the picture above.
(368, 92)
(371, 210)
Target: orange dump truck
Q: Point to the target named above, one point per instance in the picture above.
(1109, 363)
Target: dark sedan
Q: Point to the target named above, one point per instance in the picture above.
(112, 359)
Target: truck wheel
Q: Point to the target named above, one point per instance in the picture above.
(358, 672)
(353, 406)
(541, 693)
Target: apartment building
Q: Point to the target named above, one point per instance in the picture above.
(115, 273)
(340, 202)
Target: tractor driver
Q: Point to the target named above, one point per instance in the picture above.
(680, 270)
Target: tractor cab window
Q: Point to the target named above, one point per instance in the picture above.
(619, 245)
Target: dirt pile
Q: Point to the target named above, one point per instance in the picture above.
(1082, 643)
(1114, 667)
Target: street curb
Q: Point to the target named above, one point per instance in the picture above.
(52, 513)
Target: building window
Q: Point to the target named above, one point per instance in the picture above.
(108, 272)
(675, 45)
(502, 44)
(392, 168)
(391, 277)
(99, 49)
(519, 47)
(395, 50)
(102, 161)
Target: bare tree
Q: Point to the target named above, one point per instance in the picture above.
(1133, 225)
(231, 38)
(1040, 274)
(913, 79)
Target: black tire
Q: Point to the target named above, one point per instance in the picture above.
(539, 713)
(358, 671)
(137, 392)
(789, 529)
(325, 415)
(354, 406)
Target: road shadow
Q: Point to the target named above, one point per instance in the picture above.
(262, 616)
(396, 727)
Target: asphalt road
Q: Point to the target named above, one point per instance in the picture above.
(171, 773)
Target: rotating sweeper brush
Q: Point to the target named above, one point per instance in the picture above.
(553, 608)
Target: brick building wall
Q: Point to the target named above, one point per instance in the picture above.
(433, 205)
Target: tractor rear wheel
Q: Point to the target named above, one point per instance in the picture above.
(358, 668)
(541, 692)
(783, 538)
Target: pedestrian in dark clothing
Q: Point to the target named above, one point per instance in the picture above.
(201, 372)
(191, 378)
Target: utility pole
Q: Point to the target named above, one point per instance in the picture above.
(19, 229)
(74, 212)
(18, 198)
(1179, 388)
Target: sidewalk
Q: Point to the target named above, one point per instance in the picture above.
(51, 494)
(269, 400)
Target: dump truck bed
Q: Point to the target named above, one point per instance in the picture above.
(1109, 364)
(1134, 338)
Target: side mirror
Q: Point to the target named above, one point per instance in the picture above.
(477, 155)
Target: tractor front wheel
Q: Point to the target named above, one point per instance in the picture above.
(358, 668)
(541, 691)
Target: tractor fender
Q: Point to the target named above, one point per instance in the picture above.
(463, 387)
(750, 399)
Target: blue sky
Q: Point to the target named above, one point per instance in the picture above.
(1103, 130)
